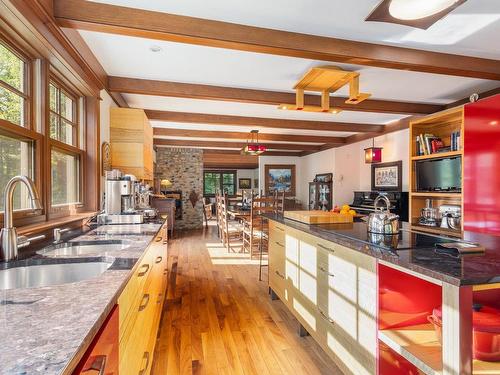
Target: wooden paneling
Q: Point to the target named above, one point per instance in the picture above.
(203, 118)
(236, 145)
(131, 138)
(197, 91)
(170, 132)
(234, 161)
(158, 25)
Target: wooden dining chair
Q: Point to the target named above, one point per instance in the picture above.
(218, 202)
(279, 204)
(256, 228)
(231, 230)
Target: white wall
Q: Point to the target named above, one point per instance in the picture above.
(311, 165)
(247, 173)
(105, 104)
(263, 160)
(351, 172)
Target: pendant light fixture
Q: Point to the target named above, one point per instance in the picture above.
(373, 154)
(253, 147)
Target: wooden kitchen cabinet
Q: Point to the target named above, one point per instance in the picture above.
(140, 305)
(131, 139)
(332, 291)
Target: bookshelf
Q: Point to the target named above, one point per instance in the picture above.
(443, 125)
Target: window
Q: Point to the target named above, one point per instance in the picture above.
(216, 181)
(13, 97)
(65, 178)
(16, 157)
(63, 115)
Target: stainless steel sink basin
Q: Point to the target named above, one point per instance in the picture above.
(50, 274)
(85, 248)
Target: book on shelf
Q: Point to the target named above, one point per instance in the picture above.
(427, 144)
(455, 141)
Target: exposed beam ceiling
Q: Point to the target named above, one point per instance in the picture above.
(114, 19)
(204, 118)
(170, 132)
(236, 145)
(217, 160)
(196, 91)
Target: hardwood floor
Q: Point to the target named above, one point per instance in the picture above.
(218, 318)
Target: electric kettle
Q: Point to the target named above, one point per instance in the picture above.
(382, 221)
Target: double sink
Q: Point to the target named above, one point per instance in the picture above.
(61, 264)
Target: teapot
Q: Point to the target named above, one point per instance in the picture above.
(382, 221)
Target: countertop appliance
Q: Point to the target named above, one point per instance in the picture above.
(382, 221)
(120, 202)
(451, 216)
(428, 215)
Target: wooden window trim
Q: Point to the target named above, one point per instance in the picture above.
(28, 81)
(74, 96)
(26, 216)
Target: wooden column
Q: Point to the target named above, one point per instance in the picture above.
(457, 330)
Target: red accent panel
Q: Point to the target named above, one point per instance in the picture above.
(104, 350)
(404, 300)
(482, 166)
(391, 363)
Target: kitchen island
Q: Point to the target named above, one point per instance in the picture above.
(49, 329)
(366, 298)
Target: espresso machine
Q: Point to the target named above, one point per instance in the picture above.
(120, 202)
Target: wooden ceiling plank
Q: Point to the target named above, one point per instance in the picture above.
(177, 28)
(214, 144)
(277, 123)
(170, 132)
(196, 91)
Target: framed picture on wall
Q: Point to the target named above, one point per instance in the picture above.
(324, 177)
(244, 183)
(280, 177)
(387, 176)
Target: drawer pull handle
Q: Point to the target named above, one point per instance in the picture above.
(144, 302)
(146, 269)
(281, 229)
(159, 298)
(98, 364)
(321, 268)
(325, 247)
(146, 357)
(159, 259)
(326, 317)
(279, 274)
(158, 239)
(279, 244)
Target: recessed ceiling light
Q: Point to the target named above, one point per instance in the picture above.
(155, 48)
(416, 9)
(416, 13)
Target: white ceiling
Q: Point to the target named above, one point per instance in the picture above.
(130, 57)
(468, 30)
(471, 29)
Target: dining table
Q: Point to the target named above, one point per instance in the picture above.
(238, 212)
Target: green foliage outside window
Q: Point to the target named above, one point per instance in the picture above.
(12, 78)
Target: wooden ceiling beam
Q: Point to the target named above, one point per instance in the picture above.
(205, 118)
(243, 136)
(231, 94)
(237, 145)
(114, 19)
(237, 152)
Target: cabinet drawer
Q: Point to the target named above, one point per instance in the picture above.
(276, 231)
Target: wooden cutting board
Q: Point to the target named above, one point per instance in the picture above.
(318, 217)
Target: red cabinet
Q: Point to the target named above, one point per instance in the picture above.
(482, 166)
(102, 355)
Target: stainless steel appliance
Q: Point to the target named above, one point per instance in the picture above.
(428, 215)
(451, 216)
(119, 202)
(382, 221)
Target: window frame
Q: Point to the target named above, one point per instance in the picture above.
(25, 132)
(75, 124)
(221, 172)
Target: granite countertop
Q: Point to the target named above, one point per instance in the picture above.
(414, 251)
(45, 330)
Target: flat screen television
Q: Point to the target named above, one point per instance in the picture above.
(439, 174)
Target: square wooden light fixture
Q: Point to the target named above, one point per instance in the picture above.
(373, 154)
